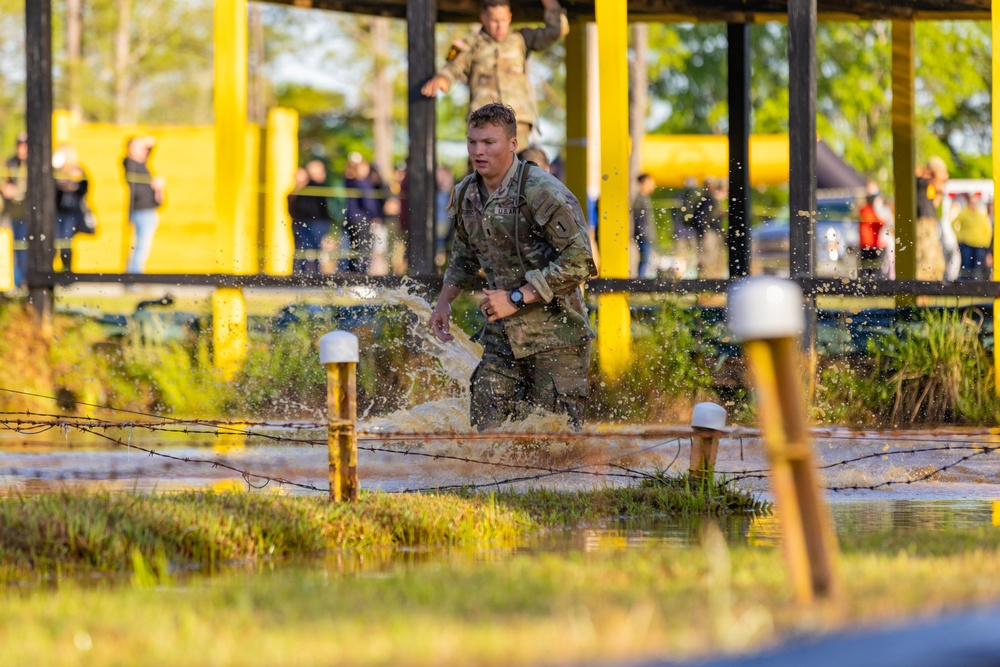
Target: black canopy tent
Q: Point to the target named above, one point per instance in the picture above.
(832, 173)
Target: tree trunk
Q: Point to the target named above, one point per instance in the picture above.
(639, 103)
(124, 113)
(74, 54)
(381, 97)
(257, 101)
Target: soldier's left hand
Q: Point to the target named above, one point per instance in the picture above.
(496, 305)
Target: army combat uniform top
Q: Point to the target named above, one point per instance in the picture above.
(538, 355)
(497, 71)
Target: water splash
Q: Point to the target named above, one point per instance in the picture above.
(459, 357)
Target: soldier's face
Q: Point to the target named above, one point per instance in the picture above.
(496, 21)
(491, 150)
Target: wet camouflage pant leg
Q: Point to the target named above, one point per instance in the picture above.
(505, 388)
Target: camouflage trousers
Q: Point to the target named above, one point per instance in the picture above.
(507, 388)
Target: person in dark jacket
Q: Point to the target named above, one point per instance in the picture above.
(145, 194)
(71, 203)
(310, 213)
(364, 208)
(15, 212)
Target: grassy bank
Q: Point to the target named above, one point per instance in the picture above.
(658, 495)
(612, 604)
(105, 532)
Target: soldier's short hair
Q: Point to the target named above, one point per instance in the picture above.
(495, 113)
(495, 3)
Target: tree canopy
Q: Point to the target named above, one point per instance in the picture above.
(151, 62)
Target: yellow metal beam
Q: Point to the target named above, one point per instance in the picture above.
(280, 160)
(904, 155)
(996, 171)
(229, 330)
(235, 236)
(614, 335)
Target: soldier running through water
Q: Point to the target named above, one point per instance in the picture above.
(527, 233)
(494, 62)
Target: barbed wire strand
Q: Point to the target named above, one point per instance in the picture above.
(514, 480)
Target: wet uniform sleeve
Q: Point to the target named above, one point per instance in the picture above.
(458, 68)
(556, 27)
(563, 226)
(463, 267)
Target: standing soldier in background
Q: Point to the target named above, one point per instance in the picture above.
(494, 62)
(644, 225)
(15, 212)
(527, 233)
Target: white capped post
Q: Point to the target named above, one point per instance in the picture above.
(708, 420)
(766, 314)
(338, 351)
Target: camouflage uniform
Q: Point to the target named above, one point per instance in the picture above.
(540, 355)
(497, 71)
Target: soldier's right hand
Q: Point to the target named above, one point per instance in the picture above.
(435, 84)
(440, 322)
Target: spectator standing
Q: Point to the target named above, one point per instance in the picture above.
(301, 234)
(872, 240)
(310, 213)
(494, 62)
(15, 212)
(644, 225)
(934, 252)
(974, 234)
(363, 210)
(145, 195)
(72, 214)
(707, 223)
(444, 181)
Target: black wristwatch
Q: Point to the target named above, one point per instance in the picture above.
(517, 298)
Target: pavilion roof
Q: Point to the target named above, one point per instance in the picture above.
(683, 10)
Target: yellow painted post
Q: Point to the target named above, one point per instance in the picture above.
(766, 314)
(229, 330)
(707, 421)
(281, 157)
(576, 110)
(614, 334)
(62, 127)
(6, 259)
(338, 352)
(995, 18)
(904, 155)
(234, 232)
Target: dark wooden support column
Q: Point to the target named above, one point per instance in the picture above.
(739, 149)
(41, 198)
(802, 150)
(802, 134)
(420, 17)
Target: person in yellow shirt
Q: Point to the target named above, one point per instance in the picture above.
(974, 232)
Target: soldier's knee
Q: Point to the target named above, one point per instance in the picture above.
(493, 398)
(567, 395)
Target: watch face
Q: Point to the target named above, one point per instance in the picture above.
(516, 297)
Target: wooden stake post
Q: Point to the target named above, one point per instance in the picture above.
(708, 421)
(338, 351)
(766, 314)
